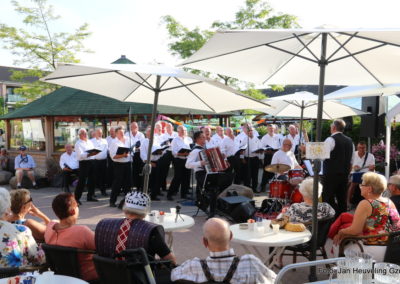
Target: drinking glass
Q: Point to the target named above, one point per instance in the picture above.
(386, 272)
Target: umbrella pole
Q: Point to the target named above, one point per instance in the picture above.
(147, 166)
(317, 163)
(301, 131)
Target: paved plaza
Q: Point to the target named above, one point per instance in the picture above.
(187, 243)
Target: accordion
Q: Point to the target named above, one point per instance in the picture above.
(215, 160)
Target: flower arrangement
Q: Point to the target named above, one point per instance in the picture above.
(378, 150)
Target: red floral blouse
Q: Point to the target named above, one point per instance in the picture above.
(377, 223)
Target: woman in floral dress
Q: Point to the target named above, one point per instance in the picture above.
(17, 246)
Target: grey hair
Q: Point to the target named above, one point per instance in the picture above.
(99, 129)
(395, 180)
(5, 201)
(306, 188)
(81, 130)
(339, 124)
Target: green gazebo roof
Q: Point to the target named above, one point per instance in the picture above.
(123, 60)
(72, 102)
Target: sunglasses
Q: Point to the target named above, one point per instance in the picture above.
(30, 200)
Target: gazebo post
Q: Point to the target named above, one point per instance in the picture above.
(8, 134)
(49, 135)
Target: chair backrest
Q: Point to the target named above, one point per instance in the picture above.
(392, 253)
(62, 260)
(6, 272)
(323, 229)
(134, 269)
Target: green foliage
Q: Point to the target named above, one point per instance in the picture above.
(256, 14)
(38, 47)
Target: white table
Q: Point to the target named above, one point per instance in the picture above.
(171, 226)
(278, 240)
(54, 279)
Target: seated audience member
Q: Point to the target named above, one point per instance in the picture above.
(222, 260)
(67, 233)
(69, 165)
(394, 188)
(21, 205)
(109, 232)
(302, 212)
(370, 218)
(17, 246)
(24, 163)
(4, 158)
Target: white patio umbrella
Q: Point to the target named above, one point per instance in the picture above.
(364, 91)
(297, 56)
(153, 85)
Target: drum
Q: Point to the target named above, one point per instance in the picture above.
(296, 196)
(296, 177)
(279, 189)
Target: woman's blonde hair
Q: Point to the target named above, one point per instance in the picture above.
(376, 181)
(19, 197)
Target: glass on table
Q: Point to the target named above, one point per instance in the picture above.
(386, 272)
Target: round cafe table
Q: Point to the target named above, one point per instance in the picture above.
(53, 279)
(278, 241)
(173, 223)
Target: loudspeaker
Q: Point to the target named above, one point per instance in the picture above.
(238, 208)
(372, 125)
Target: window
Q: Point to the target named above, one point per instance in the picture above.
(28, 132)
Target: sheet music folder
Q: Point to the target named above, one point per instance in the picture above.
(122, 150)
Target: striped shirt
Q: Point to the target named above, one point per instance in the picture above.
(249, 270)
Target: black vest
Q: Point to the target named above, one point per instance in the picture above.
(340, 159)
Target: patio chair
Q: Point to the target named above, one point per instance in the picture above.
(358, 241)
(305, 249)
(392, 253)
(134, 269)
(64, 260)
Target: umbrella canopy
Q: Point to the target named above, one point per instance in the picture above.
(152, 84)
(305, 105)
(364, 91)
(297, 56)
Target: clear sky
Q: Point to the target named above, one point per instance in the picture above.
(133, 27)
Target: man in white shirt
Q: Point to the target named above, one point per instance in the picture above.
(294, 137)
(362, 162)
(207, 133)
(217, 138)
(166, 159)
(86, 167)
(270, 142)
(222, 260)
(110, 168)
(251, 163)
(231, 151)
(122, 166)
(193, 160)
(279, 135)
(100, 160)
(181, 179)
(69, 165)
(285, 156)
(135, 136)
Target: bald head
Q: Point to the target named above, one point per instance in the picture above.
(216, 234)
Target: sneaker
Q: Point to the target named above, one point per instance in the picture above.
(92, 199)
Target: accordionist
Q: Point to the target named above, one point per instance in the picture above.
(194, 162)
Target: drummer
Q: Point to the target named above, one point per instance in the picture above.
(285, 156)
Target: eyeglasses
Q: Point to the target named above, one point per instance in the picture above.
(287, 144)
(361, 185)
(30, 200)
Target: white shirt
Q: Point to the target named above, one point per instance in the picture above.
(229, 147)
(193, 160)
(144, 148)
(180, 143)
(166, 136)
(271, 141)
(280, 139)
(357, 161)
(217, 140)
(109, 140)
(254, 145)
(81, 146)
(286, 158)
(295, 140)
(102, 145)
(114, 147)
(135, 138)
(69, 160)
(210, 144)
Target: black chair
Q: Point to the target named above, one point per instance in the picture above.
(323, 226)
(133, 269)
(392, 253)
(64, 260)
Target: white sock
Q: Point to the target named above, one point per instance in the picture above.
(18, 184)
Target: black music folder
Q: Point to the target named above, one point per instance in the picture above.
(94, 150)
(183, 151)
(122, 150)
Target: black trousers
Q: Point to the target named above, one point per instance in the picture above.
(251, 172)
(122, 172)
(266, 175)
(86, 176)
(110, 171)
(164, 164)
(100, 169)
(335, 191)
(67, 179)
(234, 165)
(137, 171)
(181, 178)
(154, 179)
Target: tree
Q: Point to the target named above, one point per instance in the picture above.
(39, 47)
(256, 14)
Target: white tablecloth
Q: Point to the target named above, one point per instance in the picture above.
(54, 279)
